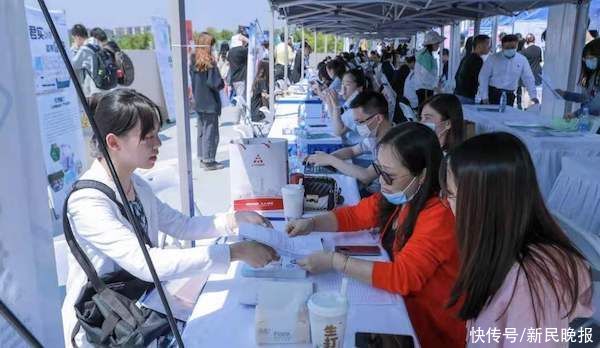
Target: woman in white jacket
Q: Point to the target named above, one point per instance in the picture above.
(129, 122)
(426, 69)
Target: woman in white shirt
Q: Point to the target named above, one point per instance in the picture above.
(342, 116)
(426, 70)
(335, 70)
(130, 122)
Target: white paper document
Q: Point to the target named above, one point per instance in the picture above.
(297, 246)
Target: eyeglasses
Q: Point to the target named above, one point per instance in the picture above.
(387, 178)
(367, 119)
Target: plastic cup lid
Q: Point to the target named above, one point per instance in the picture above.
(328, 304)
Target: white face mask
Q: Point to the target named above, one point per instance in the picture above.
(363, 130)
(509, 52)
(351, 97)
(430, 125)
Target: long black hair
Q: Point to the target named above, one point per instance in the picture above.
(417, 147)
(118, 112)
(338, 67)
(592, 48)
(501, 219)
(450, 108)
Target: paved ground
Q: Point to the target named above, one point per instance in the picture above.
(211, 189)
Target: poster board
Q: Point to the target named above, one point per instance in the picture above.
(58, 108)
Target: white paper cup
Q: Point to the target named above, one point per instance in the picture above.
(327, 311)
(293, 201)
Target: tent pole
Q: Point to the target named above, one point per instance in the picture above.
(302, 52)
(494, 35)
(286, 61)
(272, 63)
(180, 85)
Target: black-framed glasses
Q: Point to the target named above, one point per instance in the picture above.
(387, 178)
(367, 119)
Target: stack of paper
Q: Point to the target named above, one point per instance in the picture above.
(295, 247)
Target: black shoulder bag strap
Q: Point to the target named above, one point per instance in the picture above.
(78, 253)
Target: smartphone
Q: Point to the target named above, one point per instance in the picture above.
(358, 250)
(376, 340)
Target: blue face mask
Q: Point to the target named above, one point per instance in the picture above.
(509, 53)
(591, 63)
(399, 197)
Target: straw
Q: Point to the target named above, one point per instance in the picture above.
(344, 288)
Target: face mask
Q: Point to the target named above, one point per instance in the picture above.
(363, 130)
(591, 63)
(509, 53)
(430, 125)
(399, 197)
(351, 97)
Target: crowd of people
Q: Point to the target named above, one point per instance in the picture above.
(470, 241)
(225, 77)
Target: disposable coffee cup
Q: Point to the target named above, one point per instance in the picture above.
(327, 311)
(293, 201)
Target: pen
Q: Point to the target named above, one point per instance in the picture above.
(275, 218)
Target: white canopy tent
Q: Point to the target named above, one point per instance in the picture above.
(405, 19)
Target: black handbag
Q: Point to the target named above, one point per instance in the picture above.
(321, 193)
(106, 307)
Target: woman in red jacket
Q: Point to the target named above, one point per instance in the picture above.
(416, 230)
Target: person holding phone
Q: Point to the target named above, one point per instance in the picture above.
(342, 116)
(129, 123)
(416, 230)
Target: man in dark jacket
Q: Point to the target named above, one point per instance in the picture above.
(238, 61)
(297, 70)
(467, 75)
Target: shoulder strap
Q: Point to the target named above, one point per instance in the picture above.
(78, 253)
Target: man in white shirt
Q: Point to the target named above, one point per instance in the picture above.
(372, 123)
(501, 73)
(282, 62)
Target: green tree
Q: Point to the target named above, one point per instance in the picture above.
(320, 44)
(142, 41)
(225, 35)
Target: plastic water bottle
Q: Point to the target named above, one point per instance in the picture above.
(503, 102)
(584, 125)
(301, 144)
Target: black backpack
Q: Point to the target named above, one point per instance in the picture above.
(105, 69)
(125, 70)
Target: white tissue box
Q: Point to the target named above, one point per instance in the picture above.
(281, 314)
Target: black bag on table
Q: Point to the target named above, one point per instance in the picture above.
(321, 193)
(106, 307)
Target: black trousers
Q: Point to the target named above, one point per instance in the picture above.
(494, 95)
(423, 95)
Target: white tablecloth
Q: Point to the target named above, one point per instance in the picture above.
(219, 320)
(576, 193)
(546, 151)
